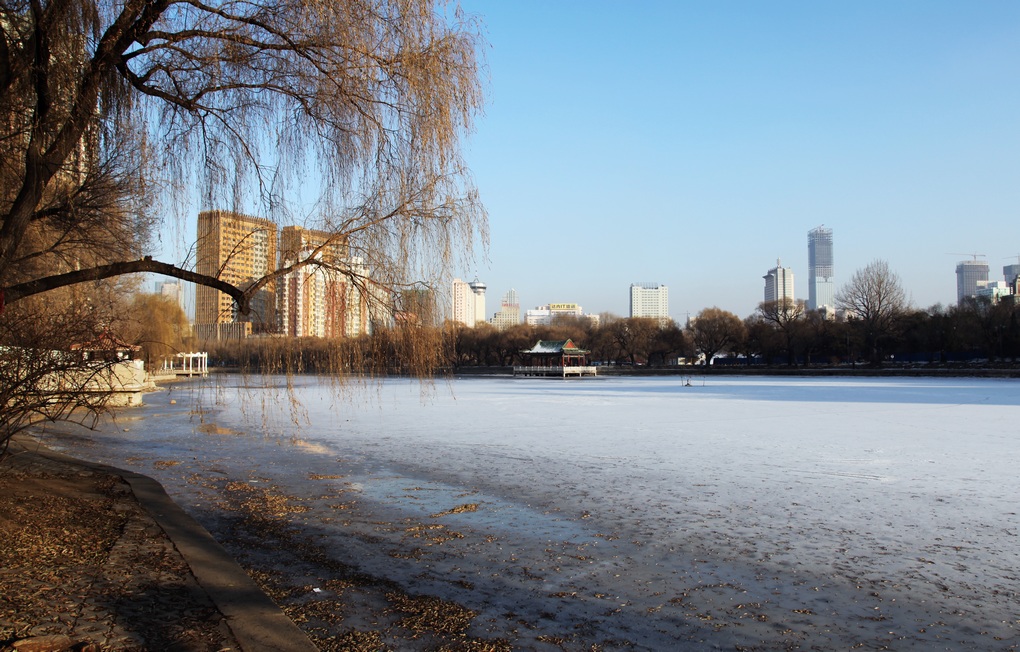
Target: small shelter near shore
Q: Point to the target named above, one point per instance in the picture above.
(106, 348)
(555, 358)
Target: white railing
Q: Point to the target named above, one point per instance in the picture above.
(554, 371)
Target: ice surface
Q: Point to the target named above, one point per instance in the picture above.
(742, 511)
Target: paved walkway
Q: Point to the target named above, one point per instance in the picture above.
(111, 598)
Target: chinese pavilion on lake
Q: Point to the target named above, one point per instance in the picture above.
(555, 358)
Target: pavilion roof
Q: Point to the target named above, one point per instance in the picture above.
(105, 342)
(555, 346)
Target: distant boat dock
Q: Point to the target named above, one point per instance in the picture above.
(554, 371)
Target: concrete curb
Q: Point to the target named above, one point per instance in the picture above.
(256, 621)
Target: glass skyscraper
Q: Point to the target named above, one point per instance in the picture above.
(821, 290)
(1010, 272)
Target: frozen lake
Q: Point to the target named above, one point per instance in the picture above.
(747, 513)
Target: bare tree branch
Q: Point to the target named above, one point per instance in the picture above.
(20, 291)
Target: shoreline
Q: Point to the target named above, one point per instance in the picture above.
(622, 371)
(862, 371)
(238, 593)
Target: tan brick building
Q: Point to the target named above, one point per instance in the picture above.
(296, 239)
(238, 249)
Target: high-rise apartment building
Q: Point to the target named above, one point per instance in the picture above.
(778, 283)
(821, 287)
(315, 301)
(509, 311)
(649, 300)
(238, 249)
(969, 273)
(327, 300)
(468, 302)
(463, 301)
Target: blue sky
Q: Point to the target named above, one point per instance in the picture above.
(694, 144)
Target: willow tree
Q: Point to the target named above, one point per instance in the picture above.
(114, 112)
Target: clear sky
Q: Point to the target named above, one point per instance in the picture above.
(695, 143)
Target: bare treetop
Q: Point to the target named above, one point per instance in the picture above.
(873, 294)
(875, 299)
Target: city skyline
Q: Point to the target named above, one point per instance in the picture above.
(693, 144)
(223, 231)
(779, 282)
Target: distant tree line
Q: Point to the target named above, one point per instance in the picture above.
(975, 330)
(776, 334)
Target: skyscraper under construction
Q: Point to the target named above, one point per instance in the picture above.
(821, 287)
(970, 274)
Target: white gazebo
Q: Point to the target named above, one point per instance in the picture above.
(187, 364)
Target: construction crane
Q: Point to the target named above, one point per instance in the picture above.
(968, 254)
